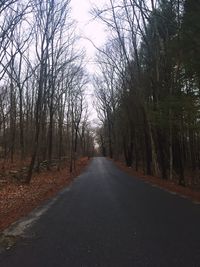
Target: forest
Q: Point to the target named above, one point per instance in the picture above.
(99, 133)
(147, 87)
(44, 114)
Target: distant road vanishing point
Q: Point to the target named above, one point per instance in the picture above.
(108, 219)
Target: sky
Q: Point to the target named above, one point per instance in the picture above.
(88, 28)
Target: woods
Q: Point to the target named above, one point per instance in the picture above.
(44, 114)
(147, 87)
(99, 133)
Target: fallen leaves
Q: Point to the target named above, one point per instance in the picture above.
(187, 192)
(17, 200)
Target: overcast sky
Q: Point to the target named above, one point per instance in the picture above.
(88, 27)
(92, 29)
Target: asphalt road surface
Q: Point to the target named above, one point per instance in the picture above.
(109, 219)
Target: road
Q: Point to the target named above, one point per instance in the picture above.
(109, 219)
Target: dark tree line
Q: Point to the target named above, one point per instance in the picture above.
(42, 81)
(148, 86)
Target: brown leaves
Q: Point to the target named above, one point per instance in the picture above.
(18, 200)
(187, 192)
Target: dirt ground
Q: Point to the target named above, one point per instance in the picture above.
(17, 200)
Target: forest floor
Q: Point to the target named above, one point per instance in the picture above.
(167, 185)
(17, 200)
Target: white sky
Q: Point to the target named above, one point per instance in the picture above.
(88, 27)
(92, 29)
